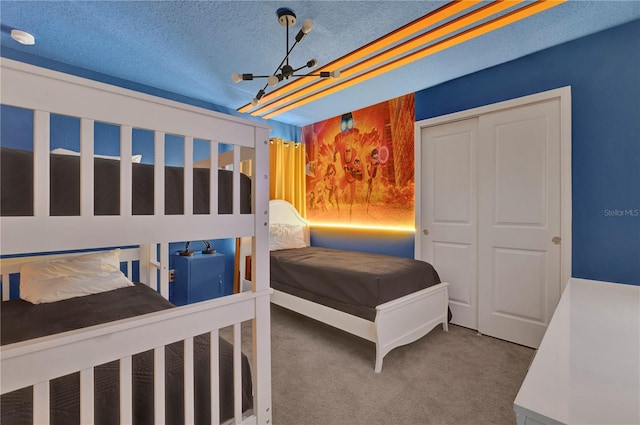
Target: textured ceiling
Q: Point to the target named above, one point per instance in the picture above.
(191, 48)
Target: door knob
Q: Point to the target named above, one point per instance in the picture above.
(426, 232)
(556, 240)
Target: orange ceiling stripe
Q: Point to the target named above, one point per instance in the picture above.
(416, 42)
(405, 31)
(502, 21)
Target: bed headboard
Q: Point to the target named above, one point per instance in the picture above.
(282, 212)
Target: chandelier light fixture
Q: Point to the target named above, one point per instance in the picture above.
(284, 71)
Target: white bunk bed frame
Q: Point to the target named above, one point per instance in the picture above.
(398, 322)
(38, 361)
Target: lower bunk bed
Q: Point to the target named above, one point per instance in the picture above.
(22, 321)
(110, 350)
(388, 300)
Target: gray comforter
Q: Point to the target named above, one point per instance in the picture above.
(349, 281)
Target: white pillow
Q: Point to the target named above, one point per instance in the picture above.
(54, 280)
(286, 236)
(62, 151)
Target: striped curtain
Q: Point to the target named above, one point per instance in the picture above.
(287, 162)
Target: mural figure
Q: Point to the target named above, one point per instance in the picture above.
(312, 200)
(330, 185)
(344, 145)
(372, 169)
(352, 173)
(321, 201)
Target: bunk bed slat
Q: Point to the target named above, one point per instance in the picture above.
(86, 167)
(164, 270)
(188, 382)
(41, 403)
(41, 165)
(214, 348)
(158, 386)
(213, 177)
(237, 372)
(236, 179)
(130, 270)
(126, 171)
(158, 170)
(86, 396)
(188, 176)
(126, 397)
(147, 269)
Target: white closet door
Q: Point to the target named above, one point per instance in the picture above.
(519, 221)
(448, 210)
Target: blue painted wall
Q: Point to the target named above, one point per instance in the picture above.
(390, 242)
(603, 71)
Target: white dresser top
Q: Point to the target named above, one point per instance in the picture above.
(587, 368)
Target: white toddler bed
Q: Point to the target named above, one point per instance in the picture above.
(37, 362)
(397, 322)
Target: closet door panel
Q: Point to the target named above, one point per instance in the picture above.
(520, 174)
(448, 208)
(518, 219)
(516, 289)
(449, 256)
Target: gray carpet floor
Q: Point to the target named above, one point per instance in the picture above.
(321, 375)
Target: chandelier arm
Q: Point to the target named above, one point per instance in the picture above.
(291, 49)
(323, 74)
(304, 66)
(285, 59)
(258, 96)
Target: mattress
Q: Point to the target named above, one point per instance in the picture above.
(22, 321)
(16, 187)
(349, 281)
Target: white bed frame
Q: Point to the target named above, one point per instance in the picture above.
(36, 362)
(398, 322)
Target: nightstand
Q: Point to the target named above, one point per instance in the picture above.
(197, 278)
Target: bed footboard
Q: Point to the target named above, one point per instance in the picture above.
(398, 322)
(407, 319)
